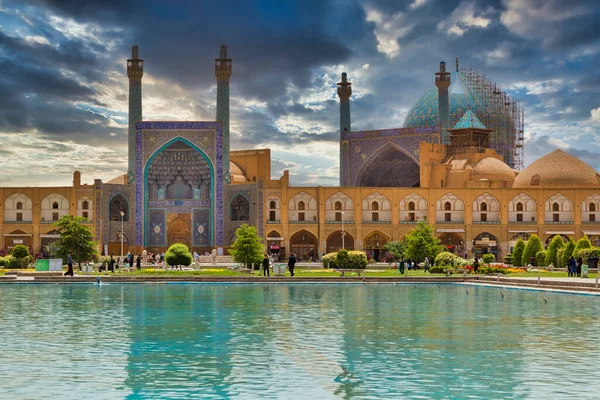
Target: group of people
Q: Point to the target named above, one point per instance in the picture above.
(128, 261)
(268, 261)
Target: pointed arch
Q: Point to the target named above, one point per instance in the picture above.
(413, 208)
(486, 209)
(522, 209)
(389, 166)
(18, 208)
(54, 206)
(334, 242)
(239, 208)
(450, 209)
(376, 207)
(590, 208)
(302, 208)
(558, 209)
(339, 206)
(304, 244)
(116, 204)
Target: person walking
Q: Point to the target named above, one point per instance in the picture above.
(265, 265)
(572, 266)
(475, 265)
(111, 264)
(401, 266)
(292, 263)
(426, 264)
(579, 264)
(138, 262)
(131, 256)
(69, 265)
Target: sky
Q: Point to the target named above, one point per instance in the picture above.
(64, 88)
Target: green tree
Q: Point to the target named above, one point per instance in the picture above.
(552, 251)
(75, 238)
(248, 248)
(178, 254)
(396, 248)
(518, 253)
(21, 254)
(583, 243)
(532, 247)
(567, 253)
(421, 243)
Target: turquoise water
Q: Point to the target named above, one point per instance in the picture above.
(296, 341)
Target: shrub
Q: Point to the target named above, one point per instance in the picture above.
(567, 253)
(445, 259)
(559, 258)
(437, 269)
(463, 262)
(532, 247)
(508, 259)
(518, 253)
(488, 258)
(583, 243)
(389, 258)
(540, 258)
(552, 250)
(178, 254)
(493, 269)
(20, 251)
(12, 262)
(329, 260)
(585, 254)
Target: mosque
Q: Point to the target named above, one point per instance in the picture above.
(456, 164)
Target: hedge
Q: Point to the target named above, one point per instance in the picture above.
(540, 258)
(488, 258)
(345, 259)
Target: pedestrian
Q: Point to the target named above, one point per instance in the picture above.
(466, 255)
(579, 264)
(69, 265)
(426, 264)
(292, 263)
(111, 264)
(409, 264)
(265, 265)
(532, 261)
(138, 262)
(131, 261)
(572, 266)
(401, 266)
(475, 265)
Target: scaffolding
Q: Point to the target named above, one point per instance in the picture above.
(500, 113)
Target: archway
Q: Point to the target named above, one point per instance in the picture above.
(304, 245)
(374, 245)
(452, 242)
(15, 238)
(486, 243)
(274, 245)
(239, 208)
(178, 229)
(334, 242)
(390, 168)
(117, 205)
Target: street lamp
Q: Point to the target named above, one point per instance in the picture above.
(122, 214)
(343, 233)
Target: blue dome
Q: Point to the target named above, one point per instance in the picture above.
(425, 110)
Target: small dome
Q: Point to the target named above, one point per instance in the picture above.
(558, 170)
(237, 175)
(492, 169)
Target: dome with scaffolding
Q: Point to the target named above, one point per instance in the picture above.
(498, 111)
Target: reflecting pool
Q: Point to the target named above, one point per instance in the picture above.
(295, 341)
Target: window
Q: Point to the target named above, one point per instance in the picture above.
(555, 207)
(535, 180)
(240, 209)
(19, 216)
(447, 206)
(411, 217)
(411, 206)
(448, 217)
(375, 217)
(555, 218)
(85, 214)
(272, 215)
(54, 216)
(592, 217)
(519, 206)
(483, 217)
(55, 205)
(301, 206)
(519, 217)
(592, 207)
(301, 217)
(272, 205)
(338, 205)
(483, 207)
(338, 217)
(375, 206)
(115, 206)
(19, 206)
(85, 205)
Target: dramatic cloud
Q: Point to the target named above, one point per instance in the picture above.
(65, 90)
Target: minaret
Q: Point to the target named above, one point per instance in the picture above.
(135, 71)
(442, 81)
(223, 73)
(344, 92)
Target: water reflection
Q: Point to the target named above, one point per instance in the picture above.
(295, 341)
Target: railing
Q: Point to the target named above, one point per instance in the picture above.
(590, 222)
(17, 222)
(44, 221)
(377, 222)
(340, 222)
(87, 222)
(522, 222)
(274, 221)
(450, 222)
(559, 222)
(409, 222)
(303, 222)
(486, 222)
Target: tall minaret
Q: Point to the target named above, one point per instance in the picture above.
(442, 81)
(223, 73)
(344, 92)
(135, 71)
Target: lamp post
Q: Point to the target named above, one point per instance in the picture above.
(343, 233)
(122, 214)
